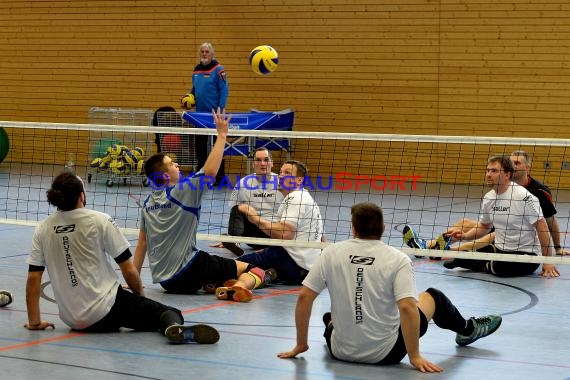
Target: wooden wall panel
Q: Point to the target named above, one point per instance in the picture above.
(449, 67)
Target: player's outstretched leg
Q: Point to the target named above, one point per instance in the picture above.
(445, 315)
(240, 290)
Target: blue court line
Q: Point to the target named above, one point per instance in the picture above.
(184, 357)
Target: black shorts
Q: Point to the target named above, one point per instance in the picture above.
(509, 268)
(239, 225)
(397, 353)
(203, 269)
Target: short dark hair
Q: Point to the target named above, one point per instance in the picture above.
(300, 168)
(154, 163)
(505, 162)
(65, 191)
(367, 220)
(262, 149)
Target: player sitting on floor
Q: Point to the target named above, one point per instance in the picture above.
(375, 315)
(169, 222)
(75, 245)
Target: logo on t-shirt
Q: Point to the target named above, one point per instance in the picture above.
(64, 229)
(361, 260)
(263, 195)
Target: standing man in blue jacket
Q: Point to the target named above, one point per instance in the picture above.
(210, 90)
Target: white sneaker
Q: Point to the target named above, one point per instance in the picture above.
(5, 298)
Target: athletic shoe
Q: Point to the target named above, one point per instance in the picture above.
(210, 288)
(5, 298)
(270, 276)
(234, 293)
(442, 242)
(450, 264)
(202, 334)
(233, 248)
(483, 326)
(411, 239)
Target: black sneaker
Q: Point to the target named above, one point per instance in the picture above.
(210, 288)
(233, 248)
(270, 276)
(201, 334)
(5, 298)
(450, 264)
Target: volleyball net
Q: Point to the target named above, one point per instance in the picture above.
(426, 182)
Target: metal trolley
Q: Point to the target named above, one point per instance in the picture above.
(119, 156)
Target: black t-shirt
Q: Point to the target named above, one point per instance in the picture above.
(542, 192)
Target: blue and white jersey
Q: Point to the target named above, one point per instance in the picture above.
(170, 219)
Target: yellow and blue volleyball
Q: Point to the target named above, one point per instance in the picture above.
(105, 161)
(188, 101)
(116, 150)
(138, 152)
(96, 162)
(263, 60)
(118, 166)
(130, 158)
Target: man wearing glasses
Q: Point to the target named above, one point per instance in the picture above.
(260, 191)
(298, 218)
(520, 227)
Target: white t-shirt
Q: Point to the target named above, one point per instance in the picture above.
(299, 208)
(513, 214)
(260, 193)
(365, 279)
(76, 247)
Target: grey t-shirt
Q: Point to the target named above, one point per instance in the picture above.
(170, 219)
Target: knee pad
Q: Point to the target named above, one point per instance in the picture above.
(258, 275)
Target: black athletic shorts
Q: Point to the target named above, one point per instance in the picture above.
(397, 353)
(203, 269)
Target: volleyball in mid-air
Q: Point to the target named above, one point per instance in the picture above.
(263, 60)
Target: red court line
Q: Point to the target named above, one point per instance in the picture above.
(274, 293)
(42, 341)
